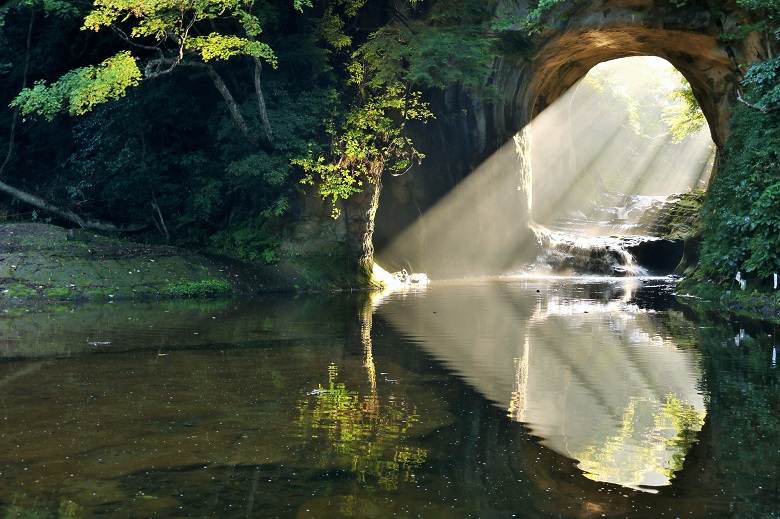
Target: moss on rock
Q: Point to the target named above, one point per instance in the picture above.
(40, 262)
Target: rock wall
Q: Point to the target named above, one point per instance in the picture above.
(582, 34)
(534, 71)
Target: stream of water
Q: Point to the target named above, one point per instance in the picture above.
(507, 397)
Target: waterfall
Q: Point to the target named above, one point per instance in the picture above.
(598, 240)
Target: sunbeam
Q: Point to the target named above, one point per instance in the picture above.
(606, 138)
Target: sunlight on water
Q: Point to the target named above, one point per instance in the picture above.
(518, 396)
(593, 375)
(597, 155)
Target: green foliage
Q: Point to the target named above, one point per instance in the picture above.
(429, 56)
(434, 45)
(213, 191)
(331, 27)
(167, 151)
(532, 22)
(208, 288)
(535, 14)
(647, 106)
(80, 90)
(59, 8)
(763, 82)
(742, 220)
(765, 18)
(219, 46)
(685, 117)
(369, 140)
(249, 242)
(182, 37)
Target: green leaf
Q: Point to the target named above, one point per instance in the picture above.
(80, 90)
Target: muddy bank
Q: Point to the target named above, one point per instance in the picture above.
(40, 263)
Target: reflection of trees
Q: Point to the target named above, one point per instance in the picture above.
(363, 434)
(743, 383)
(652, 435)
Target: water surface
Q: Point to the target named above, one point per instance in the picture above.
(515, 397)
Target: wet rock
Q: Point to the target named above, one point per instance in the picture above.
(659, 257)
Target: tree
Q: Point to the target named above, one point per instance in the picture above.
(441, 45)
(418, 45)
(162, 36)
(684, 117)
(148, 41)
(56, 9)
(741, 223)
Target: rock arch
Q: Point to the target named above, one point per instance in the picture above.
(536, 70)
(581, 35)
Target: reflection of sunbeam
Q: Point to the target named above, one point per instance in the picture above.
(567, 306)
(518, 402)
(605, 135)
(596, 378)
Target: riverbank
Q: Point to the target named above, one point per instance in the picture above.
(41, 262)
(756, 303)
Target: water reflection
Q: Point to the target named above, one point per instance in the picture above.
(590, 372)
(365, 435)
(320, 406)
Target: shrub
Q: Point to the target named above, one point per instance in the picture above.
(200, 289)
(742, 212)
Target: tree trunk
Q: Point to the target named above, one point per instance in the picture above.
(261, 103)
(359, 213)
(231, 104)
(15, 118)
(67, 214)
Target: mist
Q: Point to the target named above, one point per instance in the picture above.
(607, 136)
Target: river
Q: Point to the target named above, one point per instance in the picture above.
(491, 398)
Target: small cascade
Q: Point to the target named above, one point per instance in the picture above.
(565, 254)
(613, 215)
(599, 242)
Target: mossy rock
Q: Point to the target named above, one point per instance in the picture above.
(20, 290)
(207, 288)
(678, 218)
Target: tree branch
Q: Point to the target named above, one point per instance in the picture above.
(67, 214)
(403, 19)
(761, 109)
(261, 102)
(230, 101)
(123, 35)
(154, 68)
(269, 135)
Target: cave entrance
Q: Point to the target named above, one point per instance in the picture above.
(619, 163)
(627, 135)
(593, 156)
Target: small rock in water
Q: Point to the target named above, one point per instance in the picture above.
(419, 278)
(402, 276)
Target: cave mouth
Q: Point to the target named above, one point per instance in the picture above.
(611, 160)
(623, 134)
(585, 162)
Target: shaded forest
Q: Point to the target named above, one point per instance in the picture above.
(202, 124)
(207, 124)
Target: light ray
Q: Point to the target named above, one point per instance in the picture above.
(604, 136)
